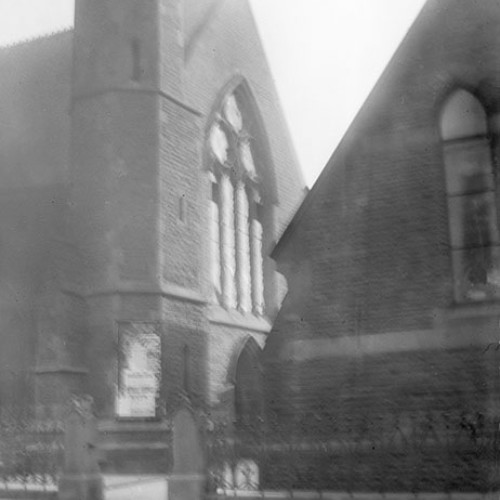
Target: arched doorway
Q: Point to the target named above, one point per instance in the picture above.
(249, 400)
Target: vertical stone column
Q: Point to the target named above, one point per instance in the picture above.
(81, 479)
(187, 480)
(215, 253)
(243, 249)
(227, 246)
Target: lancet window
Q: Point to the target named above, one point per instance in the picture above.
(471, 191)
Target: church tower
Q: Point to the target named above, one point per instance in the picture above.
(127, 109)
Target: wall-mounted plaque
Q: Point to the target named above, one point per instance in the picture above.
(139, 370)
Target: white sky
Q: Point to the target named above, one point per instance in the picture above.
(325, 56)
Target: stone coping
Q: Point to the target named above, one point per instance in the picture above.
(128, 483)
(115, 481)
(339, 495)
(115, 486)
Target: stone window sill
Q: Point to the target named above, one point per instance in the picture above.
(248, 321)
(461, 310)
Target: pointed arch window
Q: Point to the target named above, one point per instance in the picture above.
(471, 193)
(249, 386)
(236, 213)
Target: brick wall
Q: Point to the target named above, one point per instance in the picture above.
(141, 189)
(181, 179)
(110, 222)
(372, 239)
(222, 52)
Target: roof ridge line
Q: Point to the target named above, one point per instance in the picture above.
(34, 38)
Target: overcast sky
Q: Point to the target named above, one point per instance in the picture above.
(325, 56)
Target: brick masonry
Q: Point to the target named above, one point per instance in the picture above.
(116, 113)
(368, 253)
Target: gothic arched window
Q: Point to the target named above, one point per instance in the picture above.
(236, 212)
(470, 188)
(249, 395)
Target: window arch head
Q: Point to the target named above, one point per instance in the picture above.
(463, 116)
(231, 143)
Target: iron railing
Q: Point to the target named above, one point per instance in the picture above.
(404, 451)
(412, 452)
(31, 446)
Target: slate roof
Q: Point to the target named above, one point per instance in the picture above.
(34, 110)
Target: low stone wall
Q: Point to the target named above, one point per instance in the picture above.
(334, 495)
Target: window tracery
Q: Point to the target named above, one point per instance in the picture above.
(236, 214)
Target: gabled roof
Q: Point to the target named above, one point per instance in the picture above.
(366, 112)
(41, 37)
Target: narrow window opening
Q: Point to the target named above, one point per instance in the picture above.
(243, 274)
(215, 240)
(259, 212)
(257, 261)
(136, 60)
(215, 192)
(186, 376)
(227, 242)
(182, 208)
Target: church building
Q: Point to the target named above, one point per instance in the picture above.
(147, 171)
(390, 330)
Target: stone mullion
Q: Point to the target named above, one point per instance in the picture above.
(215, 240)
(243, 249)
(256, 261)
(227, 242)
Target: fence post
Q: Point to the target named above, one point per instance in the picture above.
(187, 480)
(81, 479)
